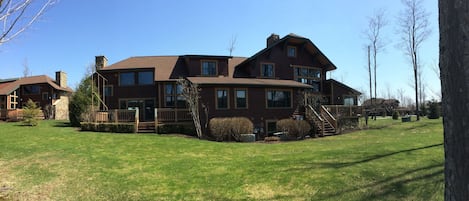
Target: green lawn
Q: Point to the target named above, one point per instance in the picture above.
(402, 161)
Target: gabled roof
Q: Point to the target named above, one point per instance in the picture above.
(246, 81)
(167, 67)
(298, 39)
(355, 92)
(8, 87)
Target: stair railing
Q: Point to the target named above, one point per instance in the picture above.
(311, 112)
(329, 117)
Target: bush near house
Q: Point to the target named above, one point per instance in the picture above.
(30, 113)
(108, 127)
(296, 129)
(228, 128)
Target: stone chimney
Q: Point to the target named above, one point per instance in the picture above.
(61, 78)
(101, 62)
(272, 39)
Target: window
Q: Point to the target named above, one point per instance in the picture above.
(127, 79)
(108, 90)
(209, 68)
(173, 97)
(267, 70)
(278, 98)
(349, 100)
(308, 75)
(222, 99)
(13, 100)
(291, 51)
(136, 78)
(145, 78)
(31, 89)
(45, 96)
(241, 98)
(2, 102)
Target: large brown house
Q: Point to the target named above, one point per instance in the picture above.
(49, 94)
(265, 87)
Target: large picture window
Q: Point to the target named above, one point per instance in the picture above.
(145, 78)
(31, 89)
(127, 79)
(241, 99)
(173, 97)
(209, 68)
(278, 98)
(222, 99)
(308, 75)
(136, 78)
(267, 70)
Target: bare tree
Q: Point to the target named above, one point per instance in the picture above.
(190, 92)
(414, 29)
(26, 71)
(18, 15)
(376, 23)
(454, 67)
(401, 96)
(232, 44)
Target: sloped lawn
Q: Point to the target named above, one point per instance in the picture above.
(403, 161)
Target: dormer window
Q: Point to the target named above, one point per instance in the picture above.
(291, 51)
(267, 70)
(209, 68)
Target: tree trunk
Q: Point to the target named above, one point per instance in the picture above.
(454, 68)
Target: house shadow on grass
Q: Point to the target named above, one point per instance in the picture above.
(62, 124)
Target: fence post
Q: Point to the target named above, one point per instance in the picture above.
(116, 116)
(176, 114)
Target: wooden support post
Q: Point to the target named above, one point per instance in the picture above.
(136, 120)
(156, 120)
(116, 116)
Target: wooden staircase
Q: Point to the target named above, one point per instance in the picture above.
(146, 127)
(325, 123)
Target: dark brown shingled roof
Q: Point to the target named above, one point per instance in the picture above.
(7, 88)
(163, 65)
(299, 39)
(246, 81)
(166, 67)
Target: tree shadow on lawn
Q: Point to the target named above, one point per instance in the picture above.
(391, 187)
(394, 187)
(372, 158)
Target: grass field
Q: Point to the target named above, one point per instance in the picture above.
(391, 161)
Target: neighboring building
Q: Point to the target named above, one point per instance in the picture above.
(269, 86)
(381, 106)
(52, 96)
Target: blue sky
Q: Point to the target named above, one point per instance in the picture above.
(72, 32)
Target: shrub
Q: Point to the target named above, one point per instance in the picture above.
(30, 113)
(187, 129)
(108, 127)
(80, 102)
(395, 115)
(222, 128)
(434, 110)
(296, 129)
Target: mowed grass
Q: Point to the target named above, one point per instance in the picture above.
(390, 161)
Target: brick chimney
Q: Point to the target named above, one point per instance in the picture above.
(100, 62)
(272, 39)
(61, 78)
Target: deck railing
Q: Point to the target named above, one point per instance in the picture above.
(173, 114)
(340, 111)
(16, 114)
(113, 116)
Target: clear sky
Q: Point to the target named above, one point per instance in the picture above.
(72, 32)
